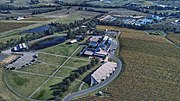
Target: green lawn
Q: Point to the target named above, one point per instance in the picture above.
(75, 63)
(24, 84)
(69, 19)
(64, 72)
(62, 49)
(51, 59)
(4, 91)
(45, 92)
(40, 68)
(77, 54)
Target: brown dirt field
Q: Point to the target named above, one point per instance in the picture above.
(9, 59)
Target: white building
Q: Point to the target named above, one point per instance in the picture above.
(103, 72)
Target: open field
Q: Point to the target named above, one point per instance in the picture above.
(69, 15)
(4, 91)
(5, 26)
(75, 63)
(45, 92)
(39, 69)
(174, 37)
(62, 49)
(24, 84)
(151, 69)
(26, 3)
(111, 2)
(36, 19)
(51, 59)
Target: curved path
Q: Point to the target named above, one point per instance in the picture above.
(98, 86)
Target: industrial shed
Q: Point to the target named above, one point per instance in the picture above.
(103, 72)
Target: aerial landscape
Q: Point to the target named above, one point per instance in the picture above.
(89, 50)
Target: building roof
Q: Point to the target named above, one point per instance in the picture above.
(88, 52)
(95, 38)
(73, 41)
(103, 72)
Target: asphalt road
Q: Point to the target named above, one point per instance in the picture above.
(98, 86)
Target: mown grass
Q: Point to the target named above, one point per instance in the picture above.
(64, 72)
(45, 93)
(54, 60)
(36, 19)
(23, 84)
(4, 91)
(75, 63)
(151, 69)
(62, 49)
(40, 69)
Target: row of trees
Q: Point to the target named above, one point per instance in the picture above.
(92, 10)
(35, 12)
(60, 88)
(90, 5)
(11, 7)
(90, 25)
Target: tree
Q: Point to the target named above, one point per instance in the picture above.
(93, 62)
(67, 81)
(89, 66)
(77, 74)
(12, 1)
(81, 70)
(34, 1)
(72, 77)
(64, 88)
(84, 68)
(96, 60)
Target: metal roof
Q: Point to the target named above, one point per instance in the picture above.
(104, 71)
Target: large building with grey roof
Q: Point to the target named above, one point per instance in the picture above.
(103, 72)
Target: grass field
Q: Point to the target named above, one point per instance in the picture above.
(40, 69)
(5, 26)
(151, 69)
(75, 63)
(5, 93)
(51, 59)
(45, 92)
(111, 2)
(24, 84)
(36, 19)
(62, 49)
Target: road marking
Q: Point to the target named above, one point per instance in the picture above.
(53, 73)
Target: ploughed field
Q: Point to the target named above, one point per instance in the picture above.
(151, 69)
